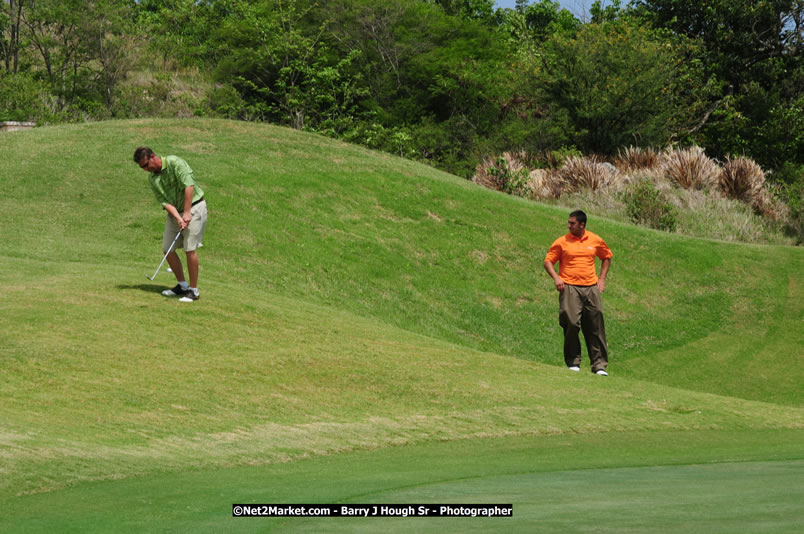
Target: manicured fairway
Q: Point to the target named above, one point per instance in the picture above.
(732, 497)
(703, 481)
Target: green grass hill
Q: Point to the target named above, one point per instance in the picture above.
(370, 330)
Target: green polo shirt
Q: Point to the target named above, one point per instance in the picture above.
(168, 185)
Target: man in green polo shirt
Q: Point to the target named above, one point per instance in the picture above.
(174, 186)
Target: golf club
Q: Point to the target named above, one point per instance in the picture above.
(163, 259)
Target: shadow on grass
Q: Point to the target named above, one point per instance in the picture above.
(148, 288)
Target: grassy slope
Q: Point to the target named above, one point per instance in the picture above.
(335, 224)
(350, 300)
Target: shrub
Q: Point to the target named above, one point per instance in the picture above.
(742, 179)
(505, 173)
(542, 184)
(588, 173)
(768, 203)
(648, 206)
(224, 101)
(635, 158)
(23, 98)
(554, 159)
(793, 196)
(790, 173)
(690, 168)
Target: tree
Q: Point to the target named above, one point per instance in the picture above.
(109, 38)
(545, 18)
(616, 81)
(283, 67)
(743, 38)
(182, 31)
(468, 9)
(52, 26)
(82, 46)
(752, 54)
(10, 23)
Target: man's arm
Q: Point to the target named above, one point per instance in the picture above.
(604, 270)
(548, 266)
(170, 208)
(187, 216)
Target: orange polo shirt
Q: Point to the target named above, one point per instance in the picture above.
(576, 257)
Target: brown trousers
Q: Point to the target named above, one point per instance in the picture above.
(580, 308)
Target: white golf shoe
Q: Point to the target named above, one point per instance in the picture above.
(190, 296)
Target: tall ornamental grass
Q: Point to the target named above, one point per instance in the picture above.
(690, 168)
(742, 179)
(587, 174)
(655, 188)
(636, 159)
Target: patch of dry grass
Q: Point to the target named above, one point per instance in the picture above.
(587, 173)
(637, 159)
(690, 168)
(542, 184)
(742, 179)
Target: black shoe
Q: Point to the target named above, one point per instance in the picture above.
(177, 291)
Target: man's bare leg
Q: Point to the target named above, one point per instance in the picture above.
(175, 264)
(192, 268)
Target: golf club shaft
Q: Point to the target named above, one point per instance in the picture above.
(166, 255)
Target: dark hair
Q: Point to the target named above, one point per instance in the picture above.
(142, 153)
(579, 216)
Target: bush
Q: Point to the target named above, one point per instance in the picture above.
(505, 173)
(592, 174)
(555, 159)
(542, 184)
(793, 196)
(768, 202)
(635, 158)
(742, 179)
(690, 168)
(226, 102)
(648, 206)
(23, 98)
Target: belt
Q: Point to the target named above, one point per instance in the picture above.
(199, 201)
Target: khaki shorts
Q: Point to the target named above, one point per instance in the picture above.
(192, 235)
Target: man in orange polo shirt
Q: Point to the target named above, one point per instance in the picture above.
(579, 288)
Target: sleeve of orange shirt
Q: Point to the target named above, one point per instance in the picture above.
(603, 250)
(554, 254)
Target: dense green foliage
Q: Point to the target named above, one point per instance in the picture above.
(449, 82)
